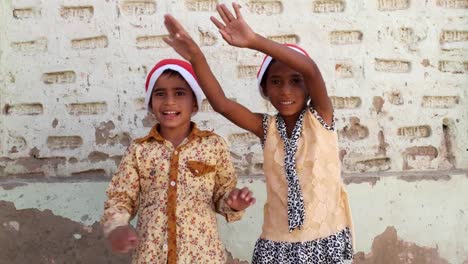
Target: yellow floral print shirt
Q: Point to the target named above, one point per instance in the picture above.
(176, 192)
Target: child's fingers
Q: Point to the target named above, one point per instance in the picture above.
(222, 14)
(169, 41)
(176, 24)
(218, 24)
(237, 8)
(228, 13)
(233, 194)
(252, 201)
(244, 192)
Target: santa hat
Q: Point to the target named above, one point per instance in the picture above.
(183, 68)
(266, 62)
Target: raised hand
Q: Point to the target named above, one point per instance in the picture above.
(123, 239)
(238, 200)
(179, 39)
(235, 30)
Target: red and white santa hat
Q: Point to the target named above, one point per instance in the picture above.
(183, 68)
(266, 62)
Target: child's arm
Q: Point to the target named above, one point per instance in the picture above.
(122, 205)
(183, 44)
(228, 200)
(237, 32)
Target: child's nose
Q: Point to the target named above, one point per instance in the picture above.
(170, 99)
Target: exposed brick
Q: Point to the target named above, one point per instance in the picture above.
(149, 42)
(140, 103)
(247, 71)
(440, 101)
(206, 107)
(294, 39)
(447, 159)
(36, 163)
(390, 5)
(414, 131)
(136, 8)
(395, 98)
(59, 77)
(419, 157)
(62, 142)
(30, 46)
(242, 137)
(394, 66)
(406, 35)
(26, 175)
(89, 43)
(77, 12)
(378, 103)
(24, 109)
(344, 70)
(97, 156)
(328, 6)
(354, 131)
(87, 108)
(454, 36)
(24, 13)
(90, 173)
(375, 164)
(456, 67)
(201, 5)
(345, 102)
(104, 136)
(345, 37)
(207, 39)
(17, 144)
(265, 7)
(456, 4)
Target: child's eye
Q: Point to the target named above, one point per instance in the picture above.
(297, 80)
(275, 82)
(180, 93)
(158, 94)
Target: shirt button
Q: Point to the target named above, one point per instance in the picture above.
(172, 183)
(176, 152)
(196, 171)
(165, 247)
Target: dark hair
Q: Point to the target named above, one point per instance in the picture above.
(172, 73)
(265, 75)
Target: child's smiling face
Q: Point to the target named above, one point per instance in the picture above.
(172, 101)
(285, 89)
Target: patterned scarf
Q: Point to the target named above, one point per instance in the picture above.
(296, 212)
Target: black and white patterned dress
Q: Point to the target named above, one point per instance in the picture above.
(285, 244)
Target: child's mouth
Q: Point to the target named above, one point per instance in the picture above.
(286, 102)
(170, 113)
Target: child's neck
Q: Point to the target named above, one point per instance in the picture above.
(175, 135)
(290, 122)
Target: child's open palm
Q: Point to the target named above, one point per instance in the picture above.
(179, 39)
(235, 30)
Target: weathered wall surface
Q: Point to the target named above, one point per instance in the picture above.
(71, 99)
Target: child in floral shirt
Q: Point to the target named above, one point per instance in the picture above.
(176, 178)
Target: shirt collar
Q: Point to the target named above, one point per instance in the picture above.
(194, 133)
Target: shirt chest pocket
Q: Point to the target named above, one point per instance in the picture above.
(199, 168)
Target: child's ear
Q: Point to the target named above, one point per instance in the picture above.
(195, 107)
(264, 90)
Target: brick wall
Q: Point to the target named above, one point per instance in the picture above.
(72, 78)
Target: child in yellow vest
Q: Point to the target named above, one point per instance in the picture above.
(176, 178)
(307, 217)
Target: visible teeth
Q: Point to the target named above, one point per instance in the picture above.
(170, 112)
(287, 102)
